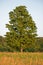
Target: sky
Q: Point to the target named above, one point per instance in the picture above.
(34, 7)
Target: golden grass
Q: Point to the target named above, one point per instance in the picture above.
(21, 58)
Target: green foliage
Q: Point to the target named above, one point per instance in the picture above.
(38, 47)
(2, 44)
(39, 44)
(22, 29)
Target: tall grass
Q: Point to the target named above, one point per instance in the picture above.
(21, 58)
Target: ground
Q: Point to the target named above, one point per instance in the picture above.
(23, 58)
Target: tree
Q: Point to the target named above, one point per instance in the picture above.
(3, 46)
(39, 43)
(22, 29)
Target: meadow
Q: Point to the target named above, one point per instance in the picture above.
(23, 58)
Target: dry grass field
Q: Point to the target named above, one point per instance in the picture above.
(24, 58)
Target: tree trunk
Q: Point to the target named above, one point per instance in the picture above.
(21, 49)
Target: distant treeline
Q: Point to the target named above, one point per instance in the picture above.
(37, 48)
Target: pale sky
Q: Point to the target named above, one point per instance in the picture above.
(35, 8)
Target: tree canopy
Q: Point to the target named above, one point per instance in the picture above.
(22, 29)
